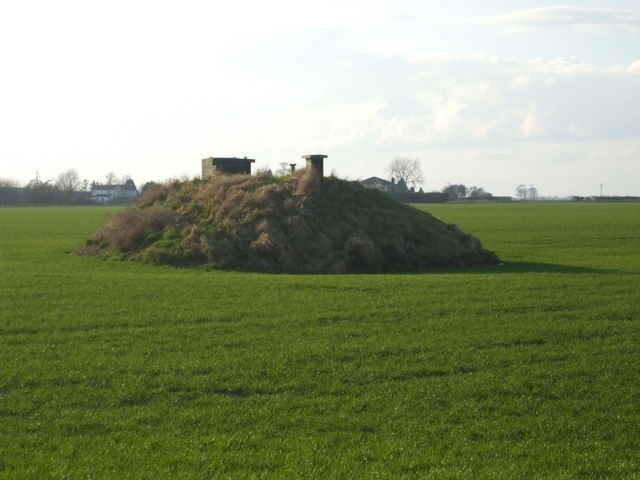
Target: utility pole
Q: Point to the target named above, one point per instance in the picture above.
(600, 190)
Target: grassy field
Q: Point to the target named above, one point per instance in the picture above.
(527, 370)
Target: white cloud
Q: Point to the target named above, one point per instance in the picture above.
(460, 102)
(447, 113)
(520, 81)
(578, 130)
(561, 66)
(586, 18)
(532, 125)
(635, 67)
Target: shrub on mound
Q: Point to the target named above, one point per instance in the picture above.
(299, 223)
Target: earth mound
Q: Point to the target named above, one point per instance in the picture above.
(297, 224)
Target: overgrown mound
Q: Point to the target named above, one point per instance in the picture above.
(298, 223)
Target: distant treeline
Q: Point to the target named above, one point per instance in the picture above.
(67, 189)
(606, 199)
(42, 195)
(420, 197)
(449, 193)
(49, 195)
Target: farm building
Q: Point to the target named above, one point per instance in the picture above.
(386, 185)
(113, 193)
(402, 193)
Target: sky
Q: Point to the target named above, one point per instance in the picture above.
(492, 94)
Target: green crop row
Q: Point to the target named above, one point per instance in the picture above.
(112, 369)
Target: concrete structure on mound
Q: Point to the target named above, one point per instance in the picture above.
(213, 166)
(315, 162)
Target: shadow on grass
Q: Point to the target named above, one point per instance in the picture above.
(525, 267)
(505, 267)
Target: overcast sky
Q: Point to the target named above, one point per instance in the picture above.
(492, 93)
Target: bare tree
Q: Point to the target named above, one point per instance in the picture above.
(264, 170)
(37, 182)
(522, 192)
(10, 194)
(42, 192)
(69, 181)
(455, 192)
(9, 183)
(111, 178)
(284, 168)
(407, 169)
(478, 193)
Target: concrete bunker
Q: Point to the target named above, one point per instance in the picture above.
(226, 165)
(315, 162)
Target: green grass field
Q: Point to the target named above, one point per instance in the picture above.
(528, 370)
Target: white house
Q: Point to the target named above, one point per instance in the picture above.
(111, 193)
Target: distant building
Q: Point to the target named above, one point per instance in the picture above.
(213, 166)
(386, 185)
(114, 193)
(400, 192)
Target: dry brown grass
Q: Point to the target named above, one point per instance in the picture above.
(128, 230)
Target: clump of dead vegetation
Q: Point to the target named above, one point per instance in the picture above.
(299, 223)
